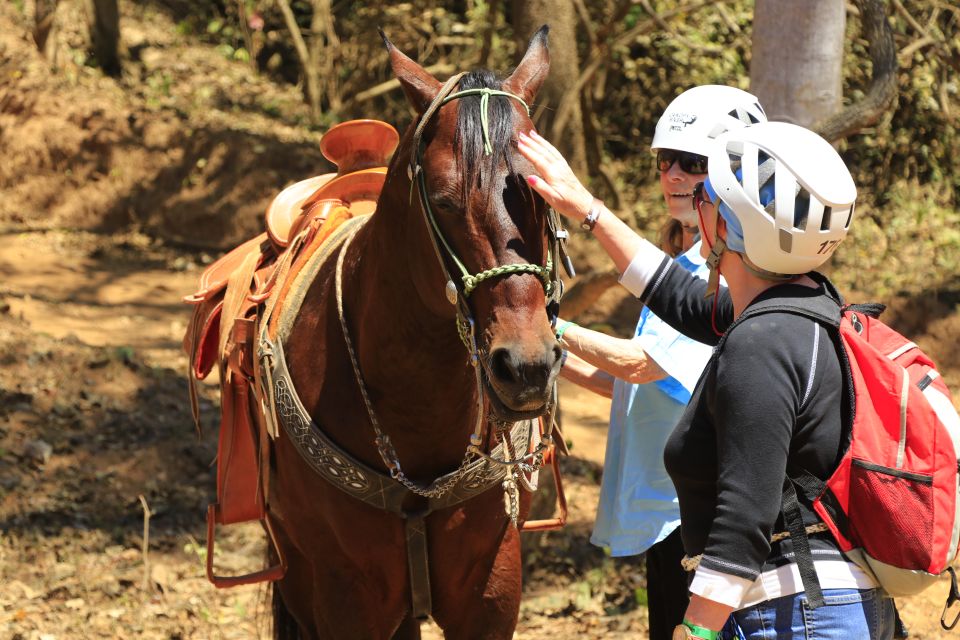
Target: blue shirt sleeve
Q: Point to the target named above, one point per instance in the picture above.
(682, 358)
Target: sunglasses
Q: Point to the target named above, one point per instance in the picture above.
(700, 196)
(689, 162)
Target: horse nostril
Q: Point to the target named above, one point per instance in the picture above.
(503, 367)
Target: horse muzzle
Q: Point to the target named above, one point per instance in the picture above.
(521, 380)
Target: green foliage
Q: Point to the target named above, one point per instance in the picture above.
(907, 244)
(920, 140)
(640, 596)
(907, 166)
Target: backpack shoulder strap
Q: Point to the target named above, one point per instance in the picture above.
(826, 310)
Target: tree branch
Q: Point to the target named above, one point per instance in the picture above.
(295, 34)
(598, 56)
(907, 52)
(441, 68)
(883, 90)
(486, 48)
(587, 290)
(309, 79)
(587, 23)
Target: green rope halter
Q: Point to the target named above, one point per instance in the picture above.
(470, 282)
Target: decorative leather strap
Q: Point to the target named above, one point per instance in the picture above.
(354, 477)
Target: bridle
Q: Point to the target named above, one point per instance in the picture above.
(458, 296)
(466, 325)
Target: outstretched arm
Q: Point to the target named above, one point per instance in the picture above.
(643, 267)
(558, 185)
(583, 374)
(618, 357)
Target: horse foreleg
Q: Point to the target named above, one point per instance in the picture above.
(409, 629)
(487, 606)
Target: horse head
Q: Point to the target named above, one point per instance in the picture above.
(490, 229)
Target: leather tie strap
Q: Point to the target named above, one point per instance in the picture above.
(415, 527)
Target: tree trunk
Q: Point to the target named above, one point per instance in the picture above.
(43, 16)
(103, 17)
(324, 48)
(797, 60)
(883, 91)
(561, 15)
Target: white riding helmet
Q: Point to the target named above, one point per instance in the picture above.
(785, 193)
(696, 116)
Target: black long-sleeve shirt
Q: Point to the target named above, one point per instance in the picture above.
(770, 399)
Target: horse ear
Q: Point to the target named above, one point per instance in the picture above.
(419, 86)
(526, 79)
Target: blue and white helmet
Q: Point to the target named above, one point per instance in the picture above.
(785, 193)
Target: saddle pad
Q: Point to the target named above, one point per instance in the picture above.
(283, 308)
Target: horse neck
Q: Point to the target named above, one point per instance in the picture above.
(410, 354)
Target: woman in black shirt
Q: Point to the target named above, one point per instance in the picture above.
(777, 202)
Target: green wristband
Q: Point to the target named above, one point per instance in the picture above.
(701, 632)
(563, 327)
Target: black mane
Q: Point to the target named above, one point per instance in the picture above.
(469, 137)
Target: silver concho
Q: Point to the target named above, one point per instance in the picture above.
(451, 290)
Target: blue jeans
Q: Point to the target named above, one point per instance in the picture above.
(847, 615)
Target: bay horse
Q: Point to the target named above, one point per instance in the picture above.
(377, 357)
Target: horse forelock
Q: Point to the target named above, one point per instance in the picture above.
(468, 142)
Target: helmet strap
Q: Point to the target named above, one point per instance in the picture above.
(763, 273)
(717, 249)
(713, 283)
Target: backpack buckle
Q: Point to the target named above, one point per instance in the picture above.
(952, 598)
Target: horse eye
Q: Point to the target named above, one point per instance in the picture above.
(447, 205)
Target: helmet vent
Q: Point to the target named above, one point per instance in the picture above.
(825, 220)
(801, 210)
(753, 119)
(850, 215)
(786, 241)
(718, 131)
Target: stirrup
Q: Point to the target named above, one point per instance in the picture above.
(552, 524)
(269, 574)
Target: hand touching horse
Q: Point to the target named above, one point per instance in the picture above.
(458, 253)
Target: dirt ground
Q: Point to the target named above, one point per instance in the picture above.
(94, 426)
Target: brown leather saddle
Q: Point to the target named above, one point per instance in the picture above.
(232, 290)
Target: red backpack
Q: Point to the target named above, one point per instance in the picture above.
(892, 503)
